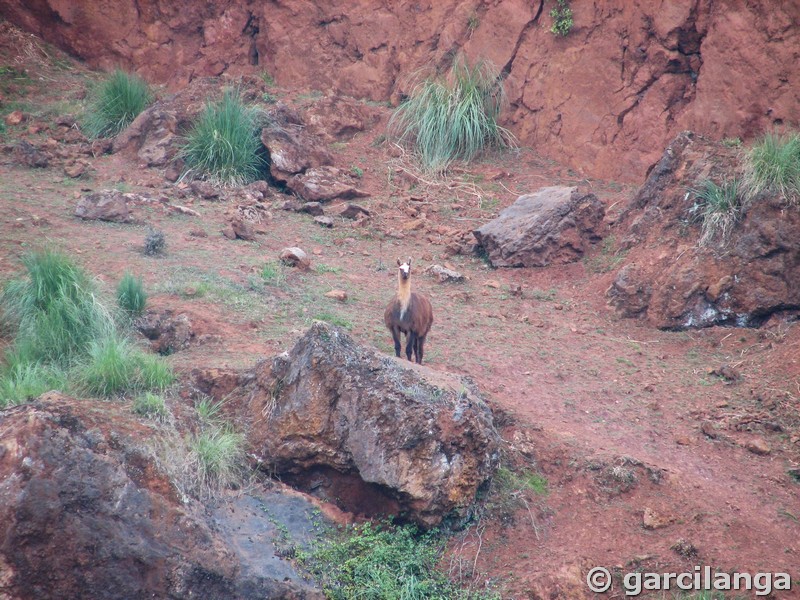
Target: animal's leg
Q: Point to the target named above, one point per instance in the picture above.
(412, 340)
(420, 348)
(396, 338)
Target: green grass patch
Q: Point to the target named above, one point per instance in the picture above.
(272, 273)
(115, 103)
(378, 562)
(116, 366)
(131, 296)
(561, 14)
(65, 338)
(151, 406)
(453, 117)
(772, 165)
(334, 320)
(224, 144)
(24, 381)
(719, 207)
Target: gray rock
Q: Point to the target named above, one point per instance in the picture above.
(555, 225)
(108, 205)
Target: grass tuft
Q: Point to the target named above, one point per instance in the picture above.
(116, 102)
(151, 406)
(131, 296)
(224, 145)
(54, 310)
(772, 165)
(720, 208)
(455, 117)
(217, 458)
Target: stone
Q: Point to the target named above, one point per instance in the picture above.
(313, 208)
(555, 225)
(354, 211)
(339, 295)
(168, 333)
(15, 118)
(292, 205)
(418, 442)
(322, 184)
(324, 221)
(295, 257)
(205, 190)
(107, 205)
(758, 446)
(293, 150)
(29, 155)
(653, 520)
(243, 230)
(75, 169)
(445, 275)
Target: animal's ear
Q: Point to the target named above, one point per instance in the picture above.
(409, 262)
(398, 262)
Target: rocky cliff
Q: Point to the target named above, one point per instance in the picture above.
(606, 99)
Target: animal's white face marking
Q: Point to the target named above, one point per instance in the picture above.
(405, 268)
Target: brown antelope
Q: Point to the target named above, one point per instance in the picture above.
(408, 313)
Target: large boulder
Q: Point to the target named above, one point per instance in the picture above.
(86, 513)
(422, 440)
(293, 150)
(107, 205)
(671, 281)
(322, 184)
(555, 225)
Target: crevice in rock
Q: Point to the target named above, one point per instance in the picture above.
(521, 39)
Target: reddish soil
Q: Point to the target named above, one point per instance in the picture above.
(608, 410)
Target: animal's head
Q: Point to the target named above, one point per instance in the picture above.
(404, 268)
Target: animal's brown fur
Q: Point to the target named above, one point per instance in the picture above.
(408, 313)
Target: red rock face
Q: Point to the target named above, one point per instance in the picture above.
(606, 99)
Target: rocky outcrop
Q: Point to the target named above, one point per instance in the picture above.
(419, 441)
(85, 513)
(555, 225)
(605, 99)
(168, 333)
(672, 282)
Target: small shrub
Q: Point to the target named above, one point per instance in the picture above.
(224, 145)
(720, 207)
(357, 172)
(151, 406)
(155, 243)
(773, 165)
(131, 296)
(453, 118)
(217, 458)
(116, 102)
(562, 18)
(54, 311)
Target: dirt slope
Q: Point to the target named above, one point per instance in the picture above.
(604, 100)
